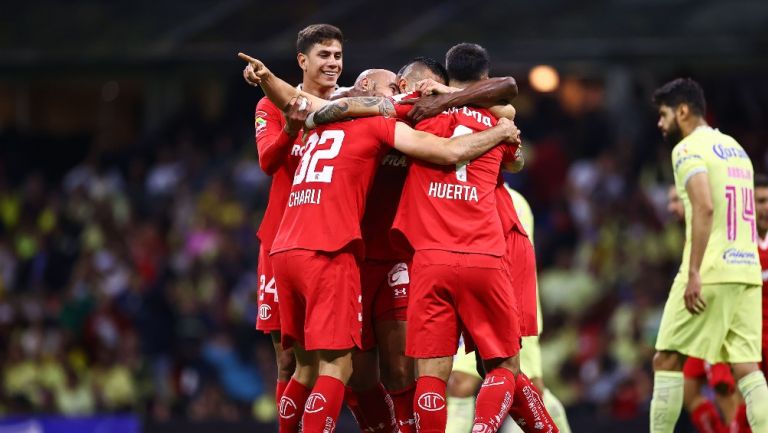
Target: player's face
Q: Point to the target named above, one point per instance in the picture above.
(323, 63)
(668, 124)
(761, 207)
(674, 204)
(383, 83)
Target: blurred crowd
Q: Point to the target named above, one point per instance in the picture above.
(128, 283)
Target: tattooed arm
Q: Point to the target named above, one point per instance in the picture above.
(344, 108)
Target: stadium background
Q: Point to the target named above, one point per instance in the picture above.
(130, 191)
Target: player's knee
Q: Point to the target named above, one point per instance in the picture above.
(398, 373)
(742, 369)
(462, 385)
(668, 361)
(512, 364)
(286, 365)
(435, 367)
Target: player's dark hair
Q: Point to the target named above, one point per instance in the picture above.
(429, 63)
(317, 34)
(681, 91)
(761, 180)
(467, 62)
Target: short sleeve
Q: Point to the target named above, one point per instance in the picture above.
(386, 130)
(510, 152)
(402, 110)
(686, 162)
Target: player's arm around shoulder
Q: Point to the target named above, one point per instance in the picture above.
(350, 107)
(449, 151)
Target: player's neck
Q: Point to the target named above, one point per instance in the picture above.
(688, 128)
(312, 88)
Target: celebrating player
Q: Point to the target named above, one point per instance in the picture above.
(713, 309)
(319, 54)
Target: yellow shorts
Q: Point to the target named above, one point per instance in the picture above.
(530, 359)
(729, 329)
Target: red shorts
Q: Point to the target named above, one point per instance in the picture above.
(319, 298)
(521, 263)
(452, 292)
(716, 375)
(385, 286)
(268, 319)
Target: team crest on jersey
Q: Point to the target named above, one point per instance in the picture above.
(260, 122)
(265, 312)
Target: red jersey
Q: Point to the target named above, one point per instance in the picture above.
(762, 248)
(453, 208)
(384, 197)
(327, 198)
(279, 155)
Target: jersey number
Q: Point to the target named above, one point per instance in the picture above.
(307, 171)
(461, 168)
(747, 211)
(265, 287)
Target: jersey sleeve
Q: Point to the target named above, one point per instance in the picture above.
(509, 152)
(272, 142)
(386, 130)
(687, 161)
(402, 110)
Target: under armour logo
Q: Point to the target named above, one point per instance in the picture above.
(287, 408)
(431, 401)
(315, 403)
(400, 293)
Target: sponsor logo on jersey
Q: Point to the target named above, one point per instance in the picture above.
(395, 159)
(398, 275)
(728, 152)
(734, 256)
(287, 408)
(739, 173)
(265, 312)
(315, 403)
(431, 401)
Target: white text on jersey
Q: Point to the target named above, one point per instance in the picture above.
(307, 196)
(478, 116)
(451, 191)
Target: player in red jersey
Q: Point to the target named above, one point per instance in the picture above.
(448, 216)
(319, 55)
(319, 239)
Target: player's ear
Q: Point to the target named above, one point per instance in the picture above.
(682, 111)
(402, 85)
(301, 58)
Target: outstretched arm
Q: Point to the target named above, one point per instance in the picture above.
(277, 90)
(449, 151)
(485, 93)
(359, 106)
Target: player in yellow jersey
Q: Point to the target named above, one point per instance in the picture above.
(465, 380)
(714, 307)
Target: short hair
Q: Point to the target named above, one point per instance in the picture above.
(430, 64)
(467, 62)
(682, 91)
(317, 34)
(761, 180)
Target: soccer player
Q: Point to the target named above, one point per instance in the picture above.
(465, 380)
(448, 216)
(713, 309)
(697, 372)
(319, 55)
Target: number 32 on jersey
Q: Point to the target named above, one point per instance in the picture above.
(308, 173)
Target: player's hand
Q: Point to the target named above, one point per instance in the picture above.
(693, 300)
(429, 86)
(295, 115)
(510, 129)
(255, 71)
(424, 107)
